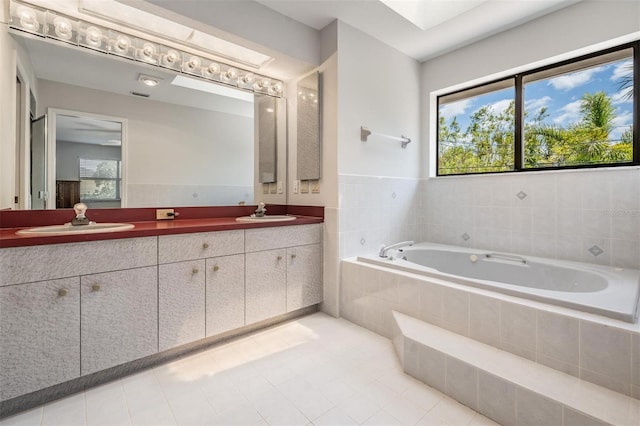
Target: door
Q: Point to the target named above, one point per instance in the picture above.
(39, 163)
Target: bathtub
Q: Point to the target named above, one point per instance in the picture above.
(612, 292)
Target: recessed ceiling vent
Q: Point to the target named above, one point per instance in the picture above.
(142, 95)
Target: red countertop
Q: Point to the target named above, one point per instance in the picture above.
(190, 219)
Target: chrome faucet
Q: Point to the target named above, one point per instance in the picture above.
(384, 249)
(80, 219)
(260, 211)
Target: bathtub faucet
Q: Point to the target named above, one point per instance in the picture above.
(384, 249)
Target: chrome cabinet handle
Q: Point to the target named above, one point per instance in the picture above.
(216, 268)
(95, 287)
(205, 245)
(63, 292)
(194, 271)
(279, 257)
(293, 256)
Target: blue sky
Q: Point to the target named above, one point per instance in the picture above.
(560, 95)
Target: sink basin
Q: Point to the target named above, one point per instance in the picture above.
(266, 218)
(67, 229)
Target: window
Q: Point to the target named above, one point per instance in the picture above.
(577, 113)
(100, 179)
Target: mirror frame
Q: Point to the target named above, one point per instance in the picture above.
(52, 114)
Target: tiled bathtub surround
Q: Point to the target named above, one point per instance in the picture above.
(604, 352)
(506, 388)
(376, 210)
(590, 216)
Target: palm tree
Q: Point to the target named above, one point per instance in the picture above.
(626, 82)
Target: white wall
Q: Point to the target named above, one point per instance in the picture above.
(367, 83)
(170, 149)
(565, 213)
(379, 88)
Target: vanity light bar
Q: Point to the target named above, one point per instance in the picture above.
(78, 33)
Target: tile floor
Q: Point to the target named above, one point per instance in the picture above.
(316, 370)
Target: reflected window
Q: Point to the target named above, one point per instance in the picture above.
(100, 179)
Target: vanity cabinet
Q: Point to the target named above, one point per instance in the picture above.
(119, 317)
(195, 305)
(70, 310)
(283, 270)
(225, 294)
(39, 335)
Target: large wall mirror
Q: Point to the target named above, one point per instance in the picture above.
(189, 142)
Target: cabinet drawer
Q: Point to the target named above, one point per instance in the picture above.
(119, 313)
(39, 335)
(176, 248)
(260, 239)
(38, 263)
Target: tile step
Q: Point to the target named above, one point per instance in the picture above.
(505, 387)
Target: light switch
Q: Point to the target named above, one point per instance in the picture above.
(296, 186)
(280, 187)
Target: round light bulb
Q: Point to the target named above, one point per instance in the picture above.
(147, 52)
(170, 58)
(261, 84)
(63, 28)
(122, 44)
(212, 69)
(94, 37)
(193, 63)
(231, 73)
(247, 78)
(28, 18)
(277, 87)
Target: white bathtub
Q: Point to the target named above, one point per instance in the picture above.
(612, 292)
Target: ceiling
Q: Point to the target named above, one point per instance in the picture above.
(439, 25)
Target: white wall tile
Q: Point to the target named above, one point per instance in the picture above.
(596, 342)
(518, 329)
(497, 398)
(462, 382)
(536, 410)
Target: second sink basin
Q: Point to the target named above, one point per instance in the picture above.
(68, 229)
(266, 218)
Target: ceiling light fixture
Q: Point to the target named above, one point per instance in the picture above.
(148, 80)
(73, 32)
(136, 18)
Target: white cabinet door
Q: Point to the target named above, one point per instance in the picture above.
(39, 335)
(304, 276)
(119, 314)
(266, 287)
(181, 303)
(225, 294)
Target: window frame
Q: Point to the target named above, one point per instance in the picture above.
(517, 79)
